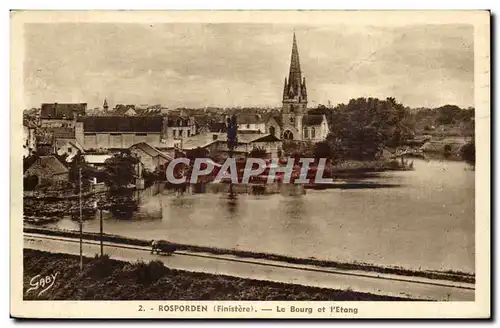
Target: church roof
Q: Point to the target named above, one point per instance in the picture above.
(312, 119)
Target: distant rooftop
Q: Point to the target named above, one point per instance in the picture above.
(62, 111)
(151, 124)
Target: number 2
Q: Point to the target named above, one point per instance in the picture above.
(141, 308)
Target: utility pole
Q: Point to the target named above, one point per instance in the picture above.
(232, 139)
(102, 246)
(81, 218)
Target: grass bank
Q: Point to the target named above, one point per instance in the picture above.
(445, 275)
(107, 279)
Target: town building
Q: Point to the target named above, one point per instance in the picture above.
(177, 127)
(150, 157)
(293, 123)
(119, 132)
(97, 160)
(251, 122)
(48, 170)
(55, 115)
(216, 144)
(68, 147)
(29, 138)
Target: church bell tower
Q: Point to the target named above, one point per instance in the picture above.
(294, 93)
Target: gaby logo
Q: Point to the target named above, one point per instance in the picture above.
(45, 283)
(303, 171)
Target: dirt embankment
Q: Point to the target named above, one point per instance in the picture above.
(443, 275)
(107, 279)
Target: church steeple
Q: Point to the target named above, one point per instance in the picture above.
(295, 88)
(105, 105)
(295, 76)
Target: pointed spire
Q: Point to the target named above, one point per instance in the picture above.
(295, 87)
(295, 73)
(105, 105)
(285, 89)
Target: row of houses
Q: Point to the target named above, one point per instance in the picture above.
(64, 128)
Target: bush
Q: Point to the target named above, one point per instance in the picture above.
(151, 272)
(100, 266)
(468, 152)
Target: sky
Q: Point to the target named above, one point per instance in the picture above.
(229, 65)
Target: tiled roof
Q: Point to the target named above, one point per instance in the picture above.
(48, 165)
(312, 119)
(244, 118)
(62, 141)
(151, 124)
(60, 111)
(277, 118)
(204, 140)
(97, 158)
(200, 140)
(48, 134)
(218, 127)
(151, 151)
(123, 109)
(174, 120)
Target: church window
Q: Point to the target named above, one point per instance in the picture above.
(189, 133)
(291, 119)
(288, 135)
(306, 133)
(248, 126)
(313, 133)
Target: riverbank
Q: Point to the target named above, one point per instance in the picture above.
(442, 275)
(107, 279)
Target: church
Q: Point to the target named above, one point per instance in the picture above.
(293, 123)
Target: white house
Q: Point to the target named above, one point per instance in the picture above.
(70, 147)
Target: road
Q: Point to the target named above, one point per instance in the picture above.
(308, 275)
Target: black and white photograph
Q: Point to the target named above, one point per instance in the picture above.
(195, 165)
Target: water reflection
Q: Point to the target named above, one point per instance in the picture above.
(232, 203)
(428, 222)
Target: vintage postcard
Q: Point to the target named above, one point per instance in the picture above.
(250, 164)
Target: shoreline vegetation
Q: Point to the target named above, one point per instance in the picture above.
(40, 206)
(449, 275)
(107, 279)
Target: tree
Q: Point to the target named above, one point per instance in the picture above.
(448, 114)
(468, 152)
(322, 149)
(78, 162)
(360, 129)
(120, 172)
